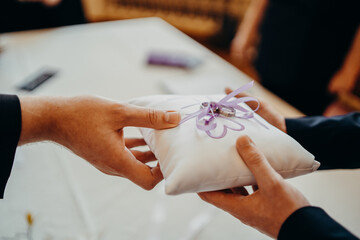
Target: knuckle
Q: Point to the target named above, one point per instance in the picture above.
(152, 117)
(253, 157)
(275, 184)
(119, 112)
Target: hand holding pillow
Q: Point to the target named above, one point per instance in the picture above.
(273, 200)
(193, 161)
(92, 128)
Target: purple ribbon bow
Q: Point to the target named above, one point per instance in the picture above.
(225, 109)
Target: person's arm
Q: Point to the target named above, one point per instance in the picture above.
(243, 44)
(92, 128)
(10, 127)
(313, 223)
(333, 141)
(276, 208)
(344, 80)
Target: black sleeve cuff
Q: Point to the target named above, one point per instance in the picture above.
(333, 141)
(10, 128)
(312, 223)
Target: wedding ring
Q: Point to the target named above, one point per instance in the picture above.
(227, 111)
(215, 108)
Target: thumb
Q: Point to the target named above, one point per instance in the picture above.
(256, 162)
(149, 118)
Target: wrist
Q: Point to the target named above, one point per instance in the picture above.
(38, 119)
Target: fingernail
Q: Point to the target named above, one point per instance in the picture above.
(243, 141)
(172, 117)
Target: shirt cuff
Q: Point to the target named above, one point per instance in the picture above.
(10, 129)
(312, 223)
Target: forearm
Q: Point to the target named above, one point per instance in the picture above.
(313, 223)
(333, 141)
(352, 60)
(253, 17)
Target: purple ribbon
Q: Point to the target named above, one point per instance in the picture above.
(210, 111)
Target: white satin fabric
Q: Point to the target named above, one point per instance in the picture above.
(191, 161)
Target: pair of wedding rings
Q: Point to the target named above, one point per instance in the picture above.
(222, 110)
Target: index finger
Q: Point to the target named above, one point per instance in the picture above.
(222, 200)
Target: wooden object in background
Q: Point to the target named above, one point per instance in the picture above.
(197, 18)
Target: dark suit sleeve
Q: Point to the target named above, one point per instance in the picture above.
(10, 128)
(313, 223)
(333, 141)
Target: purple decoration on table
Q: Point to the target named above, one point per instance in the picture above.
(225, 109)
(173, 60)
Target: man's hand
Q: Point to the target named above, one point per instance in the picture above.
(92, 128)
(265, 111)
(273, 200)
